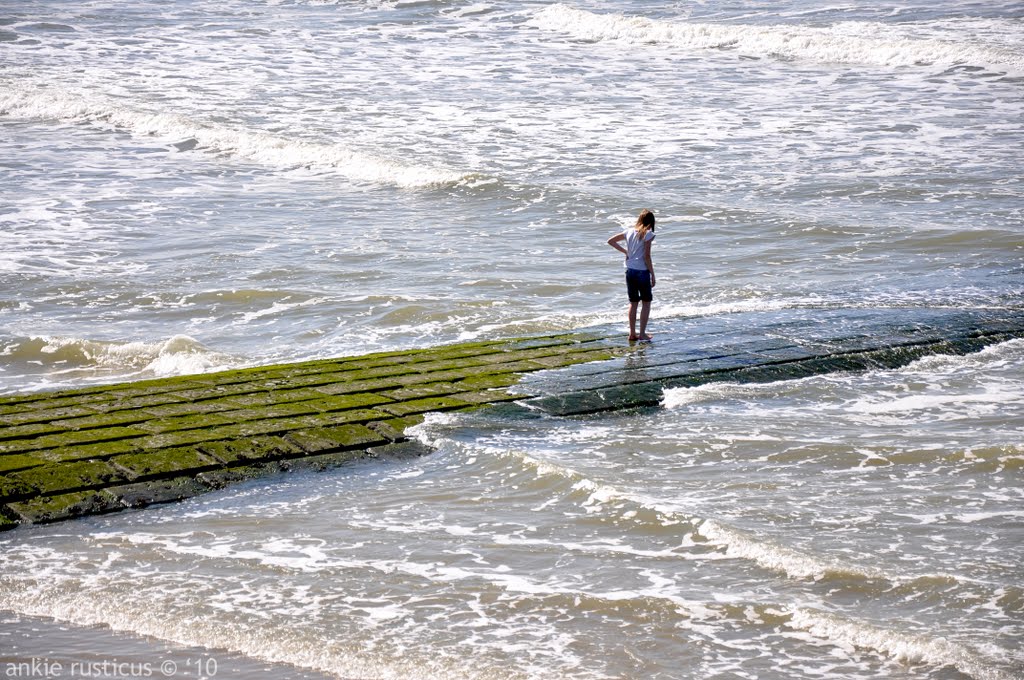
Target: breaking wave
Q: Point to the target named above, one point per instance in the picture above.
(595, 496)
(63, 361)
(902, 647)
(825, 45)
(186, 134)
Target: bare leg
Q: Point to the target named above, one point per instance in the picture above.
(645, 313)
(632, 321)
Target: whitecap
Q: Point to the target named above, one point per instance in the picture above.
(901, 646)
(823, 45)
(32, 102)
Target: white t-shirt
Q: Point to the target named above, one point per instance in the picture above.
(635, 248)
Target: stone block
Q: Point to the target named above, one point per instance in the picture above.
(192, 408)
(250, 450)
(321, 462)
(486, 396)
(552, 341)
(19, 461)
(185, 422)
(102, 420)
(438, 365)
(484, 382)
(327, 439)
(359, 415)
(394, 428)
(134, 403)
(51, 441)
(87, 451)
(30, 415)
(65, 506)
(361, 386)
(404, 408)
(28, 431)
(606, 399)
(164, 463)
(401, 450)
(55, 478)
(437, 389)
(568, 359)
(6, 520)
(168, 440)
(216, 391)
(59, 401)
(218, 479)
(270, 398)
(12, 489)
(152, 386)
(141, 494)
(272, 426)
(351, 401)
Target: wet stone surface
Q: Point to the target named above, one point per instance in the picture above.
(102, 449)
(106, 448)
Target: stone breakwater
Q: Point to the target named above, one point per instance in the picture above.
(106, 448)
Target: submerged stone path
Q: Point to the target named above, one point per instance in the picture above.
(106, 448)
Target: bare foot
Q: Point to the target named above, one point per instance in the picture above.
(634, 338)
(646, 337)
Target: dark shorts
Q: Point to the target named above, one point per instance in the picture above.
(638, 285)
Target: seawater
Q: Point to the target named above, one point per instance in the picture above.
(195, 185)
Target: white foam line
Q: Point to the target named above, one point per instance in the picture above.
(269, 644)
(736, 543)
(39, 104)
(812, 44)
(903, 647)
(177, 355)
(777, 558)
(84, 608)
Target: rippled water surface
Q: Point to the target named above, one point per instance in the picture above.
(197, 185)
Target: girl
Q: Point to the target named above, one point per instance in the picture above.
(639, 270)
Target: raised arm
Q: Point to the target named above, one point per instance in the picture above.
(615, 242)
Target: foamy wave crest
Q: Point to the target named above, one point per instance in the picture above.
(33, 103)
(903, 647)
(735, 543)
(779, 558)
(700, 309)
(787, 42)
(75, 358)
(677, 397)
(595, 496)
(299, 649)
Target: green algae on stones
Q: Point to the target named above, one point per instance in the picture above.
(157, 491)
(65, 506)
(250, 450)
(103, 448)
(164, 463)
(328, 439)
(64, 477)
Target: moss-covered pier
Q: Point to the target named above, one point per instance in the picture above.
(105, 448)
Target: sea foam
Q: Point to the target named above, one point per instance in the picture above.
(903, 647)
(823, 45)
(735, 543)
(69, 361)
(28, 102)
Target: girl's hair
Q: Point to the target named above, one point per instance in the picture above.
(644, 223)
